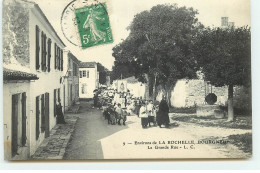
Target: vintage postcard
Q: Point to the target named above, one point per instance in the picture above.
(126, 79)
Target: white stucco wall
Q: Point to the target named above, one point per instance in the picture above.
(91, 83)
(48, 81)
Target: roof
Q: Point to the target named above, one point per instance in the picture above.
(18, 75)
(87, 64)
(74, 59)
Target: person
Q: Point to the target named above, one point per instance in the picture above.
(144, 115)
(150, 109)
(163, 113)
(119, 113)
(96, 34)
(59, 113)
(95, 98)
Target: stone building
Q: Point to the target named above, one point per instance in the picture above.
(31, 50)
(70, 80)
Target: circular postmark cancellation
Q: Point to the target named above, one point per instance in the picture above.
(85, 23)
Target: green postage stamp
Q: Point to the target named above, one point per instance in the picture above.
(93, 25)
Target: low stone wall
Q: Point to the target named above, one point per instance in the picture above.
(188, 93)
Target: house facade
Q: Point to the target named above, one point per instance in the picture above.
(33, 47)
(88, 79)
(71, 80)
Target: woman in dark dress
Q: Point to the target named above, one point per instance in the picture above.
(163, 113)
(60, 117)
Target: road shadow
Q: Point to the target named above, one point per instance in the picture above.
(90, 128)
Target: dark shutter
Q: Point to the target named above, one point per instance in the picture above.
(24, 137)
(42, 55)
(49, 55)
(58, 59)
(61, 63)
(55, 56)
(54, 101)
(37, 48)
(47, 115)
(59, 94)
(14, 124)
(37, 117)
(42, 113)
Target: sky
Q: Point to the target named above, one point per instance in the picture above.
(122, 12)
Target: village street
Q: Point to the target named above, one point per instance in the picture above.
(94, 138)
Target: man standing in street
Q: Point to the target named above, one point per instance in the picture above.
(163, 113)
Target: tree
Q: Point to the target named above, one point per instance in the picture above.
(159, 45)
(103, 72)
(225, 58)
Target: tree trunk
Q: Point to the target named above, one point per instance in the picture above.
(230, 103)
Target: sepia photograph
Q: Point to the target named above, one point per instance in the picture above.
(126, 79)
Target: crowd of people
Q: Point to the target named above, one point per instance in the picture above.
(116, 106)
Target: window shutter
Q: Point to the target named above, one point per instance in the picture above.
(37, 48)
(58, 60)
(37, 117)
(42, 62)
(14, 124)
(54, 101)
(49, 55)
(24, 137)
(47, 113)
(61, 60)
(42, 114)
(55, 59)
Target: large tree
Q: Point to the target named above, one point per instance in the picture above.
(159, 45)
(225, 58)
(103, 72)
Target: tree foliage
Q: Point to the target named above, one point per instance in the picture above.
(224, 55)
(103, 72)
(159, 44)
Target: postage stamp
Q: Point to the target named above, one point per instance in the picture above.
(93, 25)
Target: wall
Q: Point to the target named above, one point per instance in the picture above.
(15, 35)
(11, 88)
(47, 82)
(188, 93)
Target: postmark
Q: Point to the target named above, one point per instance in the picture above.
(85, 23)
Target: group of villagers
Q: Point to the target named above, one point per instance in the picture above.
(117, 106)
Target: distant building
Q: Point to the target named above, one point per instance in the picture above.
(88, 79)
(71, 80)
(225, 23)
(33, 68)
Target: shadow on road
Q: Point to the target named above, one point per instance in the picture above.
(90, 128)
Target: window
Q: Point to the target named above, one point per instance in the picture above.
(49, 55)
(37, 117)
(37, 48)
(80, 74)
(18, 122)
(84, 73)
